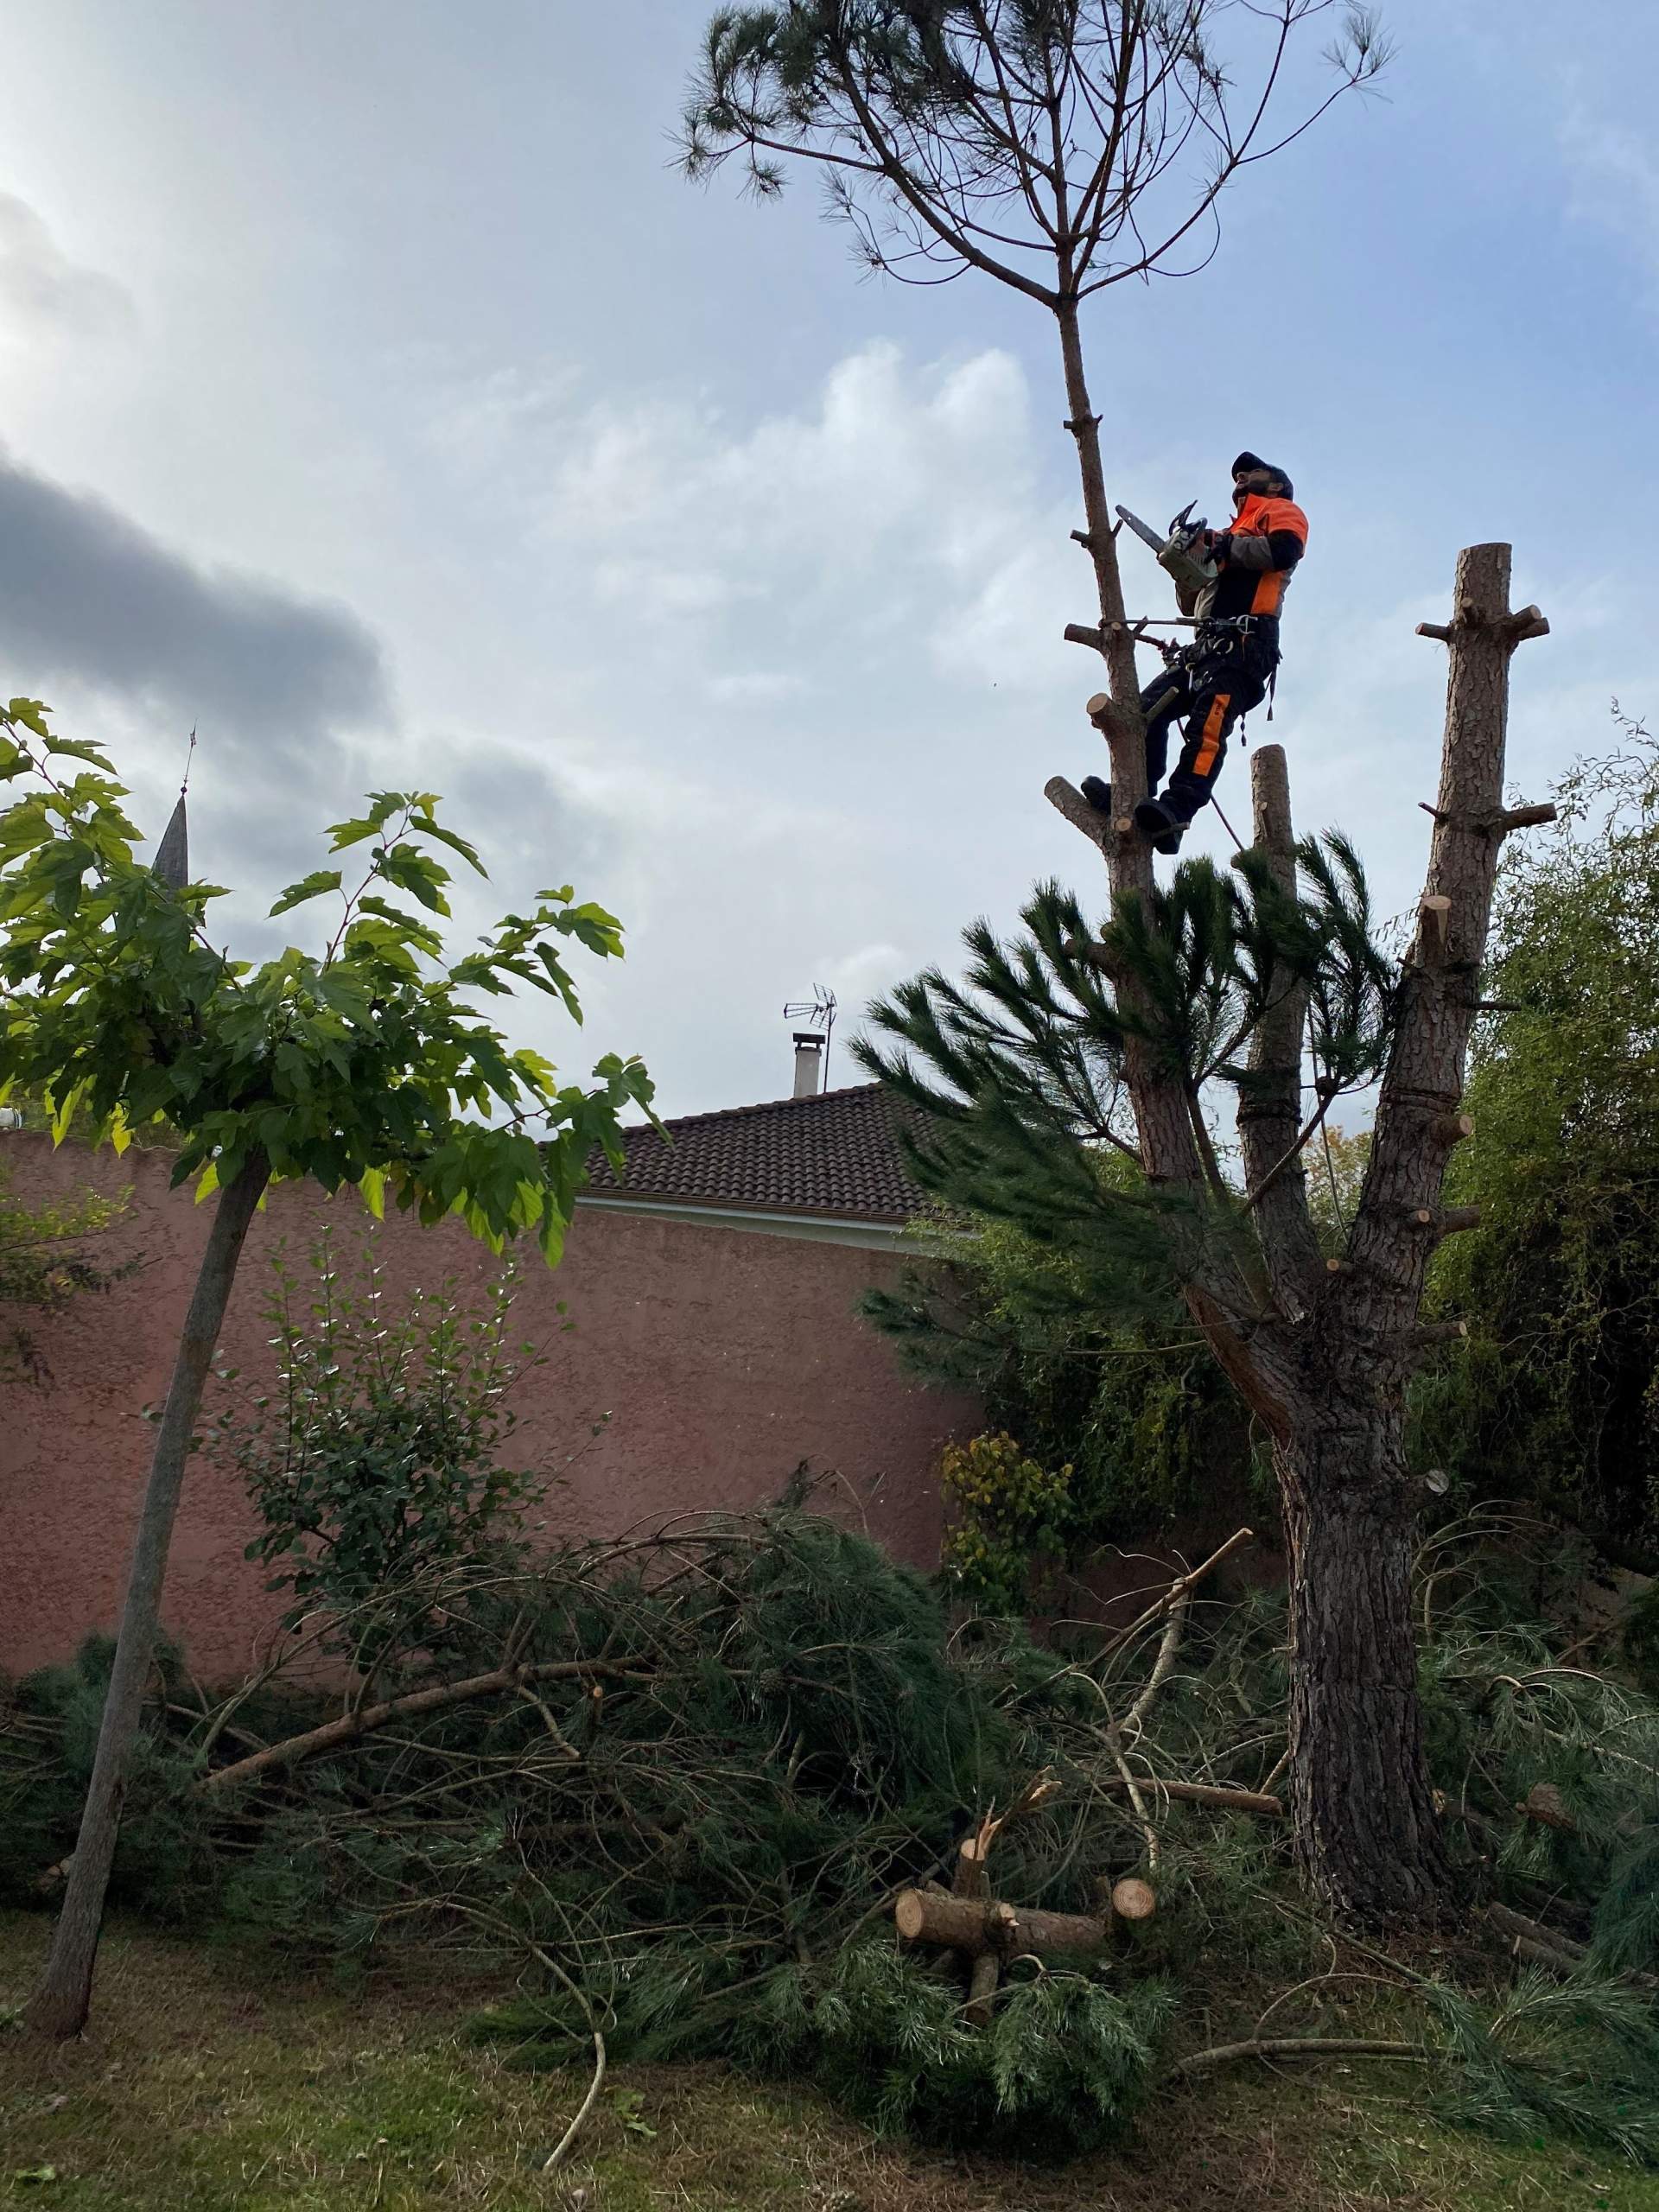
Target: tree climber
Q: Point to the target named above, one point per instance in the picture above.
(1230, 664)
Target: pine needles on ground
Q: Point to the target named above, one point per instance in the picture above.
(692, 1770)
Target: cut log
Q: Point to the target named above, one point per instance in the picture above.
(967, 1924)
(981, 1988)
(1134, 1899)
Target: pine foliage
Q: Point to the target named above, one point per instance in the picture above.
(1020, 1068)
(771, 1727)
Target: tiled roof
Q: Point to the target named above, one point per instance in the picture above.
(836, 1154)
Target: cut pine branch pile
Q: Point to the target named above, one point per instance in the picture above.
(707, 1769)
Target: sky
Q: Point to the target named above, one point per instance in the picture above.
(376, 399)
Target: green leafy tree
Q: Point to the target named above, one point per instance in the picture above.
(364, 1064)
(375, 1464)
(1558, 1397)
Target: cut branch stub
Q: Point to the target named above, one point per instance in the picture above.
(1434, 927)
(1513, 629)
(1521, 818)
(1065, 798)
(972, 1878)
(1452, 1129)
(1107, 716)
(1440, 1332)
(1526, 622)
(1501, 820)
(1445, 1221)
(1544, 1803)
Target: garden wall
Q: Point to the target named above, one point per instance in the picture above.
(723, 1358)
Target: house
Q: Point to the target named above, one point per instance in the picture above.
(701, 1340)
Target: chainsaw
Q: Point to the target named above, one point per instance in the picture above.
(1180, 549)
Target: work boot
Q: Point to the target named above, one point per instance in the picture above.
(1098, 794)
(1154, 820)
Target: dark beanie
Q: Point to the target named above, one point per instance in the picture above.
(1254, 461)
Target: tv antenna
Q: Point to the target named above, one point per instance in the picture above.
(820, 1011)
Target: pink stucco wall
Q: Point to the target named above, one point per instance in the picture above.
(723, 1358)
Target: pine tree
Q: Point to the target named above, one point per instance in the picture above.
(1060, 147)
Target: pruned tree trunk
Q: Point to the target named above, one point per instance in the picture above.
(1362, 1806)
(1325, 1360)
(1364, 1822)
(59, 2004)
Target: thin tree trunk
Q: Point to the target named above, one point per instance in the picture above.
(1270, 1116)
(1167, 1149)
(1364, 1822)
(59, 2004)
(1365, 1829)
(1129, 751)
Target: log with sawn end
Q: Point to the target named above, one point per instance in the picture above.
(974, 1924)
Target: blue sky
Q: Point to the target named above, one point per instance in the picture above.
(375, 396)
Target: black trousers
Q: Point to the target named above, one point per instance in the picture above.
(1208, 688)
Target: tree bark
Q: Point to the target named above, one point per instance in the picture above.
(1362, 1805)
(1362, 1808)
(1271, 1109)
(59, 2004)
(1169, 1150)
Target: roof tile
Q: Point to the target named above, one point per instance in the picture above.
(837, 1154)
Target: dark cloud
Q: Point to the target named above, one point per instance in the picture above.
(87, 597)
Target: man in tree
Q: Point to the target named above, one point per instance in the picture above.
(1227, 669)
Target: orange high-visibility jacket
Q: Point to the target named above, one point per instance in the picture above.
(1266, 539)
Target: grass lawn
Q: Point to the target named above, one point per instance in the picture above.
(208, 2083)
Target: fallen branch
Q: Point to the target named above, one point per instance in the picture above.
(561, 2150)
(1180, 1589)
(1224, 2053)
(1204, 1793)
(334, 1734)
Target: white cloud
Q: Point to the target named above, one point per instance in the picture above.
(42, 290)
(1614, 175)
(755, 687)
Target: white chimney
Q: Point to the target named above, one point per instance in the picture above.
(809, 1064)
